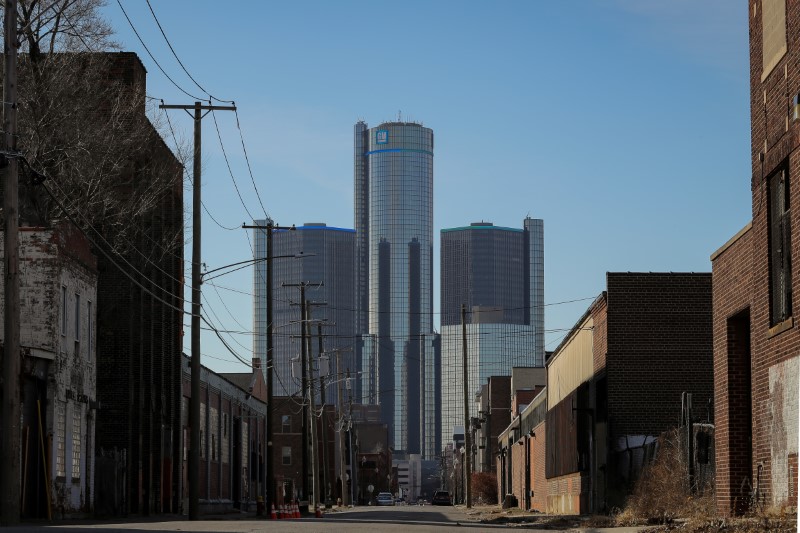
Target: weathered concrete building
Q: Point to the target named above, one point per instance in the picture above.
(58, 298)
(756, 342)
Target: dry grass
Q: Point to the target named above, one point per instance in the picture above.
(661, 497)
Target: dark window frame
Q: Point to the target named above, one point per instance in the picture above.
(779, 246)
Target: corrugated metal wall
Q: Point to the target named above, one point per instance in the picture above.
(571, 365)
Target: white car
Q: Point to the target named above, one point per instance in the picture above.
(384, 498)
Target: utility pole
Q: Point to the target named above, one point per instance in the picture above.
(322, 418)
(342, 466)
(306, 377)
(194, 401)
(350, 439)
(312, 407)
(270, 364)
(10, 455)
(467, 437)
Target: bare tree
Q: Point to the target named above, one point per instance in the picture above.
(83, 124)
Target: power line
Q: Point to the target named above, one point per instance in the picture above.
(135, 282)
(102, 237)
(181, 89)
(179, 59)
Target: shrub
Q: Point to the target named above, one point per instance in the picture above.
(484, 487)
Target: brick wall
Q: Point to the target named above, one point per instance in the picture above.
(568, 494)
(732, 292)
(659, 331)
(742, 294)
(140, 328)
(538, 479)
(499, 414)
(774, 434)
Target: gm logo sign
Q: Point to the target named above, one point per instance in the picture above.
(382, 137)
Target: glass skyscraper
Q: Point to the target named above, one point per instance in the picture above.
(393, 200)
(498, 274)
(328, 268)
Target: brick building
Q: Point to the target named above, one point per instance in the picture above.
(513, 466)
(140, 333)
(602, 408)
(58, 296)
(521, 456)
(232, 439)
(756, 342)
(493, 414)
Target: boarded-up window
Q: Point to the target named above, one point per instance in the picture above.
(76, 442)
(773, 26)
(61, 437)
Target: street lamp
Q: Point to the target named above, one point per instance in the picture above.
(228, 269)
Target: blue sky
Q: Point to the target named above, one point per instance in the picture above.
(624, 124)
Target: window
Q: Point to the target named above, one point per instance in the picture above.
(76, 442)
(780, 246)
(77, 317)
(286, 424)
(63, 310)
(286, 455)
(60, 422)
(89, 326)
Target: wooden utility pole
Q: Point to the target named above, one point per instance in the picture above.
(270, 365)
(342, 466)
(312, 418)
(322, 418)
(306, 378)
(10, 425)
(194, 401)
(467, 437)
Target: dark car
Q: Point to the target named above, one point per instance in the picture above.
(441, 497)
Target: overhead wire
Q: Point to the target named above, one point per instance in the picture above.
(212, 97)
(169, 44)
(149, 53)
(111, 259)
(125, 260)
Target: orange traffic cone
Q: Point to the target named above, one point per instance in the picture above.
(272, 514)
(317, 511)
(285, 511)
(296, 510)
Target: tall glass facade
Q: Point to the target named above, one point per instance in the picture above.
(329, 270)
(492, 350)
(498, 274)
(394, 226)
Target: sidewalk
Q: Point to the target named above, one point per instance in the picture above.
(494, 515)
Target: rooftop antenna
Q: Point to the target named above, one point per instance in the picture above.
(398, 116)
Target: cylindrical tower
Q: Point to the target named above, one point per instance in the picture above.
(400, 183)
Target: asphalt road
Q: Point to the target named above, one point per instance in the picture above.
(399, 519)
